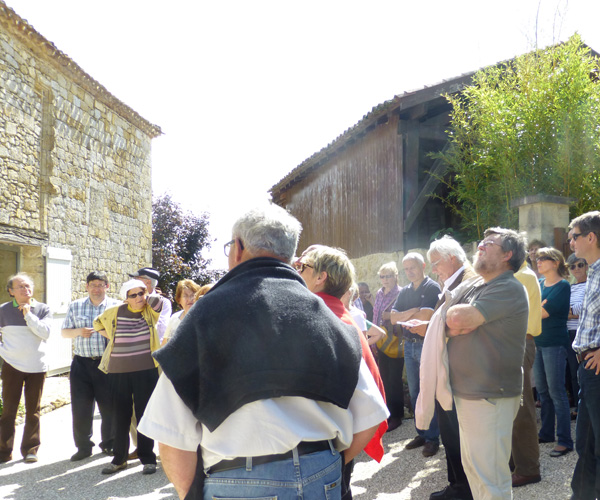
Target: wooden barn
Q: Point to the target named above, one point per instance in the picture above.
(374, 180)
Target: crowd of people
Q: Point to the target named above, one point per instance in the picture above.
(287, 369)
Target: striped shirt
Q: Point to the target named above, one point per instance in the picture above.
(577, 295)
(81, 314)
(588, 333)
(131, 350)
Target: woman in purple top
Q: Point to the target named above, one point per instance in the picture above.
(390, 368)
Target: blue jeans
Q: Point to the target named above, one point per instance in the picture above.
(586, 478)
(412, 361)
(549, 371)
(316, 476)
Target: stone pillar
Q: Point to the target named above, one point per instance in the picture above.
(540, 214)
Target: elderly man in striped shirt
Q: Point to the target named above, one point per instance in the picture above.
(585, 242)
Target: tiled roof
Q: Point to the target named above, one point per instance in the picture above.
(45, 49)
(398, 103)
(371, 119)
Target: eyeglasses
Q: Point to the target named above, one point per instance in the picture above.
(386, 276)
(301, 266)
(542, 259)
(134, 295)
(579, 265)
(487, 243)
(574, 236)
(97, 287)
(433, 264)
(22, 287)
(227, 246)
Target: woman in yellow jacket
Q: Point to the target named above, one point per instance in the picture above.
(132, 338)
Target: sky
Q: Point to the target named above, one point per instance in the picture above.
(246, 90)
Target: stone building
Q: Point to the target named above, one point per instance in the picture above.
(75, 173)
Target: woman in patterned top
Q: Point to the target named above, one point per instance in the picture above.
(132, 337)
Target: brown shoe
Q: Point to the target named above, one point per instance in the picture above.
(133, 455)
(430, 449)
(518, 480)
(415, 443)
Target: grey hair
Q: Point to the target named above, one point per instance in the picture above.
(269, 229)
(573, 258)
(21, 275)
(512, 241)
(447, 247)
(414, 256)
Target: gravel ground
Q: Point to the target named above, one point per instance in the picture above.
(402, 474)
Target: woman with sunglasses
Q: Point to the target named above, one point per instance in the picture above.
(132, 371)
(551, 351)
(578, 268)
(390, 368)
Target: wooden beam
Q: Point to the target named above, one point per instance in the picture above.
(438, 169)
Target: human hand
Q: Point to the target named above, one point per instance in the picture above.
(86, 333)
(25, 308)
(592, 361)
(417, 326)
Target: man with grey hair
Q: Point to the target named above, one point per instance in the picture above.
(25, 328)
(263, 385)
(416, 301)
(449, 261)
(486, 345)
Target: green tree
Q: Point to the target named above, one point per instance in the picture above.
(178, 240)
(527, 126)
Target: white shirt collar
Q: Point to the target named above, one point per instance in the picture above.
(450, 281)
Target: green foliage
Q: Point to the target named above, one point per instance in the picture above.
(178, 239)
(528, 126)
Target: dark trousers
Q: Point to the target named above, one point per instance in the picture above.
(525, 447)
(448, 423)
(89, 386)
(13, 381)
(125, 388)
(586, 477)
(390, 370)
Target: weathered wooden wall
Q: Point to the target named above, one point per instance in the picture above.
(355, 200)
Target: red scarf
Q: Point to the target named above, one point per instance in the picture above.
(374, 447)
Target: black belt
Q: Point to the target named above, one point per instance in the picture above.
(304, 448)
(581, 356)
(414, 340)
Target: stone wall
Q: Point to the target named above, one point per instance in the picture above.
(75, 168)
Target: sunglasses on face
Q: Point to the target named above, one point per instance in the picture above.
(542, 259)
(301, 266)
(134, 295)
(579, 265)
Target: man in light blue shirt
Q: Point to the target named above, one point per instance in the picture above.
(585, 242)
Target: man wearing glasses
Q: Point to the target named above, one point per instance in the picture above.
(88, 384)
(25, 327)
(585, 242)
(263, 385)
(486, 345)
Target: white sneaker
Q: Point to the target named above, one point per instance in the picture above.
(31, 458)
